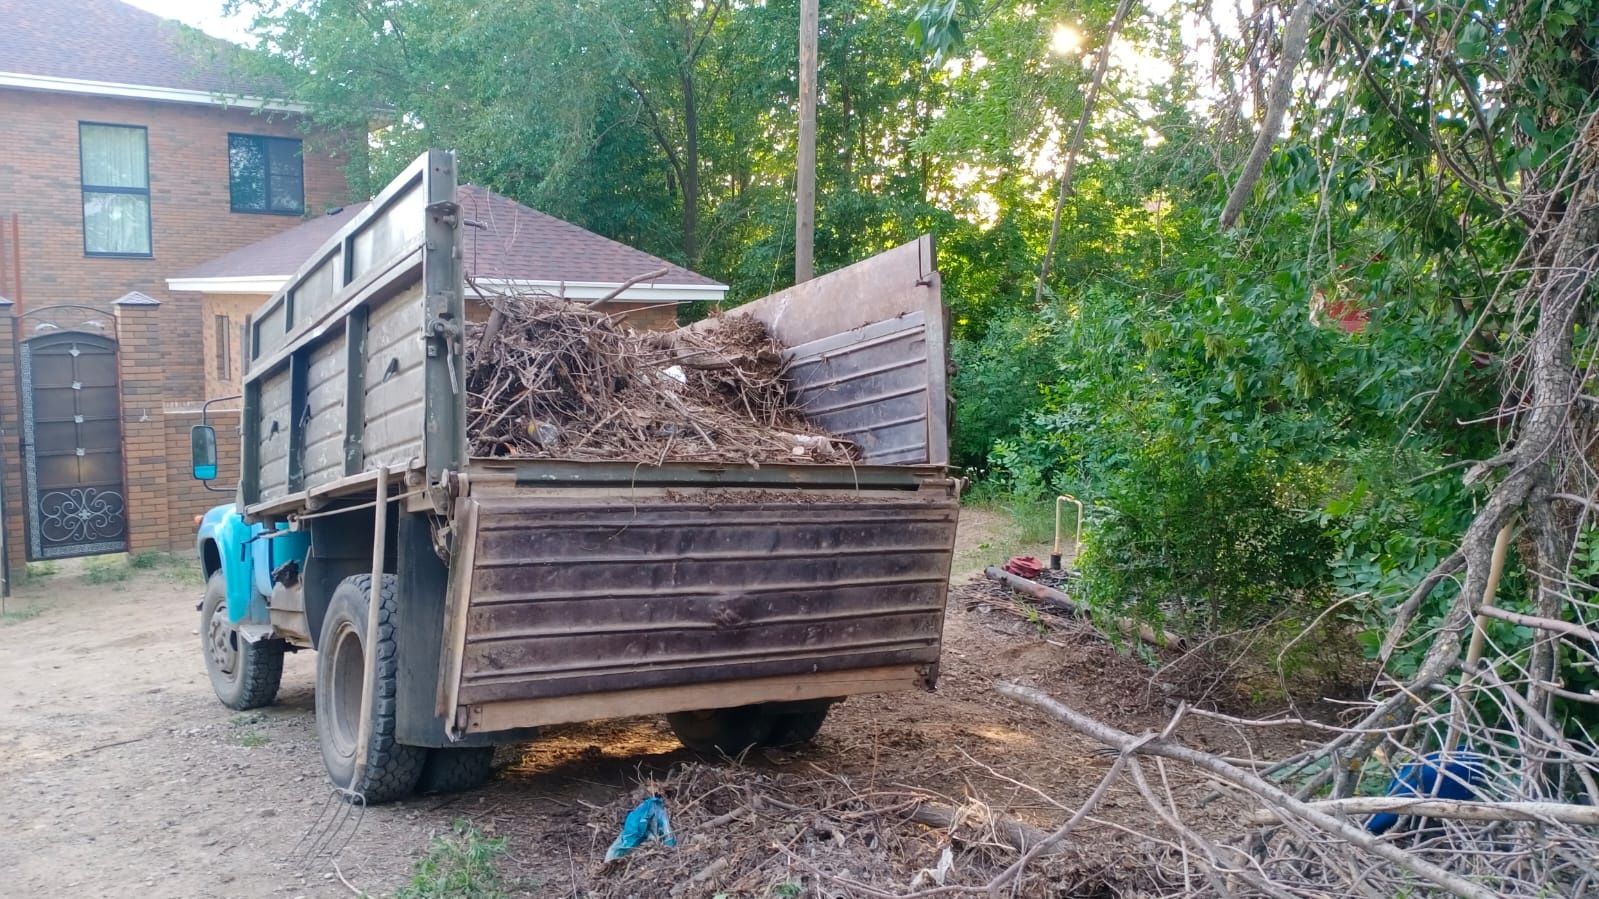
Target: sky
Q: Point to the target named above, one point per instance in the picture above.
(205, 15)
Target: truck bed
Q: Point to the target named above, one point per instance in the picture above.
(574, 592)
(579, 590)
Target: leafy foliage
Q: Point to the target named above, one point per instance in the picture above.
(1263, 419)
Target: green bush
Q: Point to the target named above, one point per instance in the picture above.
(1215, 550)
(999, 379)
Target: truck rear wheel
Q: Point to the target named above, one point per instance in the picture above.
(794, 724)
(732, 731)
(726, 731)
(453, 769)
(392, 767)
(244, 675)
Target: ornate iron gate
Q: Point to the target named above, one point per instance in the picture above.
(72, 446)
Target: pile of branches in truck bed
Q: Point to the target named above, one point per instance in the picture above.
(549, 378)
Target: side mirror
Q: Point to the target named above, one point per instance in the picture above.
(203, 450)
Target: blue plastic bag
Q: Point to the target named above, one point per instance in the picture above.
(648, 820)
(1438, 775)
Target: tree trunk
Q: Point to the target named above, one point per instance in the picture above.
(691, 170)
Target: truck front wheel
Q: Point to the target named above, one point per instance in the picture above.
(244, 675)
(393, 768)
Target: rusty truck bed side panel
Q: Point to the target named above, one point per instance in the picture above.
(568, 597)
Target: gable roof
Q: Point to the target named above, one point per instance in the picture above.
(514, 244)
(523, 244)
(274, 259)
(109, 48)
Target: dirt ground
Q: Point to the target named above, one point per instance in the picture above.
(120, 774)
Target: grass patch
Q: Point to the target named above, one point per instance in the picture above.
(38, 571)
(185, 572)
(1024, 525)
(244, 732)
(1034, 520)
(148, 560)
(107, 570)
(13, 616)
(460, 865)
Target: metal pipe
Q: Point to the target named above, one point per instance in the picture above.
(1055, 556)
(16, 261)
(369, 655)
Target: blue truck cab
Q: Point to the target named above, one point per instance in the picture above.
(246, 558)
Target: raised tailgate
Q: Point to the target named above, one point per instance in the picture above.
(560, 597)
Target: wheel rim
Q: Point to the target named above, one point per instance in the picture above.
(349, 669)
(222, 643)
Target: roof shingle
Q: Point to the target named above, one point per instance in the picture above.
(103, 40)
(515, 243)
(519, 243)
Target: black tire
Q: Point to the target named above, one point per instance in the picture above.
(796, 726)
(244, 675)
(455, 770)
(393, 768)
(726, 731)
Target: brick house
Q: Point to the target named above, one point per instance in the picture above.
(128, 153)
(149, 202)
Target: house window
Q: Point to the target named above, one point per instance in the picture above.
(224, 342)
(265, 174)
(114, 166)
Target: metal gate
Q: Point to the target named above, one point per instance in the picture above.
(72, 446)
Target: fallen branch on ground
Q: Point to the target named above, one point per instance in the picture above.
(1282, 802)
(1055, 599)
(1583, 815)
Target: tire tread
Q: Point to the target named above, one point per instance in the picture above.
(393, 768)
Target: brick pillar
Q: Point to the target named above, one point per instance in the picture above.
(15, 501)
(141, 370)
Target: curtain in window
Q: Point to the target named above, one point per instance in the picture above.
(116, 189)
(116, 223)
(114, 157)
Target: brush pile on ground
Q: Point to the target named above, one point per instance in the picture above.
(742, 832)
(548, 378)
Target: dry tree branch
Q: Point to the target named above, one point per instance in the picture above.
(1295, 35)
(1559, 812)
(1069, 166)
(1268, 793)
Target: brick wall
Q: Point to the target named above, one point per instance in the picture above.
(162, 498)
(140, 356)
(189, 204)
(645, 316)
(234, 308)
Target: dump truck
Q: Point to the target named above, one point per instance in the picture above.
(455, 603)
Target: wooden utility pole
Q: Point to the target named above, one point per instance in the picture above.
(805, 177)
